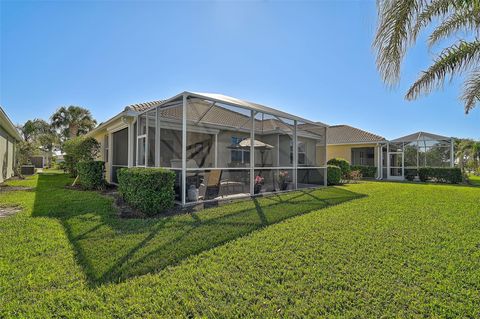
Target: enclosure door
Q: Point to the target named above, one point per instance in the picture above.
(395, 165)
(119, 152)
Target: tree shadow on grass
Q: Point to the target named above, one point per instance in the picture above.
(111, 249)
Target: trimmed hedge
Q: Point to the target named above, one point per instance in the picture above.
(334, 175)
(410, 174)
(150, 190)
(440, 175)
(343, 164)
(90, 174)
(367, 171)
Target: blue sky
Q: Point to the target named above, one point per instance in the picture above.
(312, 59)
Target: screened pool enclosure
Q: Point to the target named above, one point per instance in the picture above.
(413, 151)
(222, 148)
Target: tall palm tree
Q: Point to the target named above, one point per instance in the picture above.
(73, 121)
(400, 23)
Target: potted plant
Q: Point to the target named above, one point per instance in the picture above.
(282, 180)
(258, 184)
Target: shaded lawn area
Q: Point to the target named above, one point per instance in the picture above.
(401, 250)
(113, 249)
(474, 180)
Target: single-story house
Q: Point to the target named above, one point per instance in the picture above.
(9, 137)
(220, 147)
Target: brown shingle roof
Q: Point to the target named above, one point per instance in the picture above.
(345, 134)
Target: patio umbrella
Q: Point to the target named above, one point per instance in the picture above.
(258, 145)
(246, 143)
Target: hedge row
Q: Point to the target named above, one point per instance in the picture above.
(150, 190)
(440, 175)
(90, 174)
(367, 171)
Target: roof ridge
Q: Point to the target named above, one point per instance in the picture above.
(143, 106)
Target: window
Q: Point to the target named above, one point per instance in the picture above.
(105, 148)
(302, 154)
(239, 155)
(363, 156)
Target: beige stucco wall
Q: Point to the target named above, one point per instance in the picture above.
(7, 150)
(345, 151)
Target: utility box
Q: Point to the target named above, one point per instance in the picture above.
(27, 170)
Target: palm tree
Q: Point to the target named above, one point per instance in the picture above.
(462, 151)
(73, 121)
(400, 23)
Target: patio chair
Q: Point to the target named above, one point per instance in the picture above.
(210, 186)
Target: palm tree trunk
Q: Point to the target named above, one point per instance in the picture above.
(73, 130)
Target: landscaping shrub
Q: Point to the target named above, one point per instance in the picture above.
(80, 149)
(334, 175)
(441, 175)
(355, 175)
(149, 190)
(367, 171)
(410, 174)
(90, 174)
(343, 164)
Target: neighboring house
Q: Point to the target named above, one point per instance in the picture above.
(43, 158)
(391, 158)
(8, 139)
(220, 147)
(357, 146)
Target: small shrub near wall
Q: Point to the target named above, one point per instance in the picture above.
(79, 149)
(440, 175)
(150, 190)
(367, 171)
(343, 164)
(334, 175)
(91, 175)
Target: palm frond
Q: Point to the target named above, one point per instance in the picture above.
(452, 60)
(435, 9)
(462, 20)
(396, 18)
(471, 91)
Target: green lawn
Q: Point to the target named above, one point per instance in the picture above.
(474, 180)
(388, 249)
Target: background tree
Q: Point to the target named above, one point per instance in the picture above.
(32, 128)
(400, 23)
(468, 154)
(73, 121)
(40, 136)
